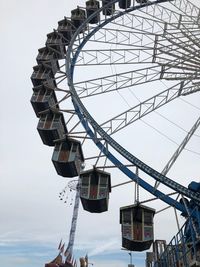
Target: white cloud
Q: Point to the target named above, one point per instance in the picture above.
(101, 248)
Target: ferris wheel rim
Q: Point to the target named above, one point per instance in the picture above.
(85, 115)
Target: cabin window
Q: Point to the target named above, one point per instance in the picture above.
(74, 148)
(42, 121)
(84, 192)
(148, 218)
(102, 193)
(103, 181)
(56, 118)
(127, 216)
(127, 231)
(85, 181)
(148, 233)
(56, 153)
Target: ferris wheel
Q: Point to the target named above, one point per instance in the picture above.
(117, 87)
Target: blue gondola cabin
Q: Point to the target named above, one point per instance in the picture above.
(51, 127)
(137, 227)
(94, 191)
(91, 7)
(44, 98)
(68, 158)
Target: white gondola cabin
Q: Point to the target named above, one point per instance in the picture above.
(110, 9)
(67, 29)
(91, 7)
(51, 127)
(44, 98)
(78, 16)
(137, 227)
(124, 4)
(48, 59)
(94, 190)
(68, 157)
(55, 43)
(41, 74)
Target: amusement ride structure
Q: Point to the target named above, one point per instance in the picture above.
(108, 67)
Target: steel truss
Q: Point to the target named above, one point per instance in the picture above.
(89, 123)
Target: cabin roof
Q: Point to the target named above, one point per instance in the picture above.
(139, 206)
(98, 171)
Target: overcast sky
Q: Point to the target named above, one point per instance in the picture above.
(32, 219)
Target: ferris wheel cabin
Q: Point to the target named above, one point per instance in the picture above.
(68, 158)
(110, 9)
(41, 74)
(94, 191)
(137, 227)
(55, 43)
(51, 127)
(67, 29)
(78, 16)
(91, 7)
(48, 59)
(124, 4)
(43, 99)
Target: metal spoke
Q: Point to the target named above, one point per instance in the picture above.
(117, 81)
(137, 112)
(179, 150)
(138, 55)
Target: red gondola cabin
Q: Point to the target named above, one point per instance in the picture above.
(51, 127)
(137, 227)
(68, 158)
(95, 189)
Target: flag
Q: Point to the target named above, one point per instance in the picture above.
(72, 260)
(66, 252)
(69, 257)
(59, 247)
(62, 248)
